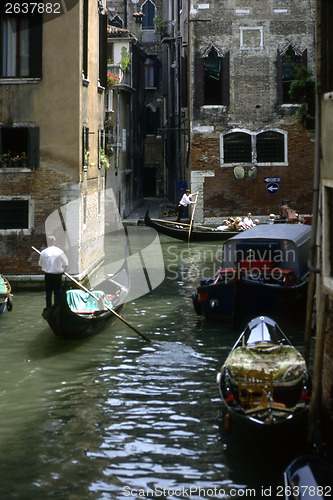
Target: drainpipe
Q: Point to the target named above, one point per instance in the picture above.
(118, 125)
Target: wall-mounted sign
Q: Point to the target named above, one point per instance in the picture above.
(272, 188)
(272, 179)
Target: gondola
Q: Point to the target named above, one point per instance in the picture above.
(308, 476)
(181, 231)
(77, 315)
(264, 271)
(265, 386)
(5, 295)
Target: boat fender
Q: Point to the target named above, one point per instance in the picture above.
(9, 304)
(218, 378)
(196, 304)
(305, 395)
(227, 422)
(229, 397)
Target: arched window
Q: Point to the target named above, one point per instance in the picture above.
(270, 147)
(117, 22)
(290, 61)
(213, 78)
(148, 10)
(237, 148)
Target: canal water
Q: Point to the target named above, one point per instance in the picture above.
(114, 416)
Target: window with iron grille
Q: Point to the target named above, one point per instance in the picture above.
(14, 214)
(266, 147)
(237, 148)
(270, 147)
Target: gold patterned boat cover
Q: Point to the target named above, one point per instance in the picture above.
(285, 363)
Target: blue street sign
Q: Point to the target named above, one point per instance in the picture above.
(272, 179)
(272, 188)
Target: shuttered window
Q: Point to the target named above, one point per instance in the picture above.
(14, 214)
(21, 46)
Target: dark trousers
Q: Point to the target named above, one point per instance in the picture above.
(181, 209)
(53, 283)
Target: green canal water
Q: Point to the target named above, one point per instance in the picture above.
(114, 416)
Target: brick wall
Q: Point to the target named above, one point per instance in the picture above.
(224, 194)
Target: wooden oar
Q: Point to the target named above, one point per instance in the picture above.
(106, 306)
(191, 222)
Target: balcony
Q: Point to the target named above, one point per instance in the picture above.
(123, 76)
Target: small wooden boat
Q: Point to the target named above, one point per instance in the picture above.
(78, 315)
(264, 385)
(264, 269)
(308, 476)
(5, 295)
(181, 231)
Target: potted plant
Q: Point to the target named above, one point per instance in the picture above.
(6, 159)
(113, 80)
(103, 158)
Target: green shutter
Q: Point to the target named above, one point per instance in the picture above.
(36, 46)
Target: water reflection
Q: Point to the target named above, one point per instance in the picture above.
(111, 415)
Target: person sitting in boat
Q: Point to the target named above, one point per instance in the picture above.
(54, 263)
(224, 226)
(184, 202)
(239, 225)
(256, 222)
(271, 219)
(248, 222)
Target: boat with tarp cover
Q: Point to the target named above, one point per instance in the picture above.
(264, 269)
(5, 295)
(187, 232)
(264, 384)
(307, 477)
(78, 314)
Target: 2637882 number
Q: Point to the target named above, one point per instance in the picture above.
(32, 8)
(300, 491)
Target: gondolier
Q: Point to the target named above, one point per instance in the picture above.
(54, 263)
(184, 202)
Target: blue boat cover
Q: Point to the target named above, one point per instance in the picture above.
(82, 302)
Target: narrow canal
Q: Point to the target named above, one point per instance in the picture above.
(114, 416)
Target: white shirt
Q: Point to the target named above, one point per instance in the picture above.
(248, 222)
(186, 200)
(53, 260)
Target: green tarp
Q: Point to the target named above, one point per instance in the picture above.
(82, 302)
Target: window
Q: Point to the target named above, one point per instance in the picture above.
(117, 22)
(14, 214)
(287, 63)
(237, 148)
(259, 148)
(21, 46)
(152, 120)
(149, 73)
(102, 62)
(18, 142)
(85, 148)
(148, 9)
(85, 39)
(270, 147)
(327, 234)
(212, 79)
(325, 36)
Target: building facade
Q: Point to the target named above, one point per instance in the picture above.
(52, 110)
(247, 148)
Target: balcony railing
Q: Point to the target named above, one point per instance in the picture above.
(124, 76)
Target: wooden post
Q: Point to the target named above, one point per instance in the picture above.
(318, 364)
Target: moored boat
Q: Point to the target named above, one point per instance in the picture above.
(263, 270)
(308, 476)
(264, 385)
(186, 232)
(79, 314)
(5, 295)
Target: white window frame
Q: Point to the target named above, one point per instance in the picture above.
(253, 147)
